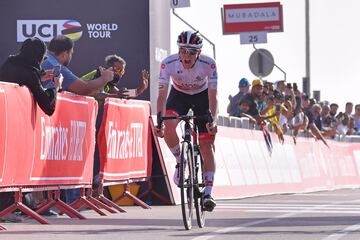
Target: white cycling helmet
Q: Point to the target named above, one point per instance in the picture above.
(190, 39)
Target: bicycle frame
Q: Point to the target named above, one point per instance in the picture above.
(192, 187)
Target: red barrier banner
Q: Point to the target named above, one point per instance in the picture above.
(124, 140)
(43, 150)
(3, 132)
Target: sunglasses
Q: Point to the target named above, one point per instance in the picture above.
(119, 70)
(190, 51)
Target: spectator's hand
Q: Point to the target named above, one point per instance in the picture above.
(49, 75)
(160, 130)
(58, 81)
(122, 93)
(212, 128)
(107, 74)
(145, 82)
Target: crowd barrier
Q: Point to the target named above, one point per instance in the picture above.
(42, 153)
(125, 146)
(244, 166)
(38, 152)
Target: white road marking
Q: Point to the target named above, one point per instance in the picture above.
(335, 209)
(273, 219)
(343, 232)
(241, 226)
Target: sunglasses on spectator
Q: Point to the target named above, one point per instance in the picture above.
(190, 51)
(119, 70)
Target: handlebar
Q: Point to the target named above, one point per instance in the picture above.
(185, 118)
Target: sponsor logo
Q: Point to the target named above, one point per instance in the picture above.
(72, 29)
(163, 66)
(124, 143)
(213, 66)
(62, 143)
(47, 29)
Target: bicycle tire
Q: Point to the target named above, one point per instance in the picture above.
(186, 184)
(199, 183)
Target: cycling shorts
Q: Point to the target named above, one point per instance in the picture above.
(182, 102)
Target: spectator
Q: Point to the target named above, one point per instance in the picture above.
(244, 107)
(112, 89)
(24, 69)
(298, 122)
(311, 114)
(333, 109)
(232, 108)
(356, 118)
(326, 117)
(305, 102)
(289, 94)
(280, 86)
(344, 127)
(60, 52)
(117, 64)
(349, 108)
(252, 98)
(279, 112)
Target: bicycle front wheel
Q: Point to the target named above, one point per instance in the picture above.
(199, 185)
(186, 184)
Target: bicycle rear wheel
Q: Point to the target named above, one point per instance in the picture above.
(186, 184)
(199, 185)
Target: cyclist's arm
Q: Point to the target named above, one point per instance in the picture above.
(213, 102)
(212, 90)
(162, 95)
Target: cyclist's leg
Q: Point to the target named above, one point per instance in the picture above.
(207, 151)
(206, 147)
(175, 105)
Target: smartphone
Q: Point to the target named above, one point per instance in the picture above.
(57, 71)
(131, 93)
(277, 107)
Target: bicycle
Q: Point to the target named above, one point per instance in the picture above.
(191, 169)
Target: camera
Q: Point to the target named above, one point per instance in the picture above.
(115, 80)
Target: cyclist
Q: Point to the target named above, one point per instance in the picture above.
(194, 84)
